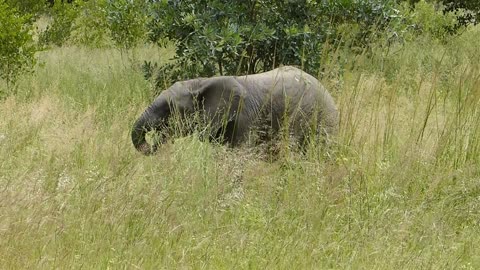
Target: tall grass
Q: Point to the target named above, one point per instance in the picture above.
(400, 189)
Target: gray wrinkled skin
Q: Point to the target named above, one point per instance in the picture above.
(235, 106)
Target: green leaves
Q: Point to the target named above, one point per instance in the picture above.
(17, 49)
(57, 33)
(126, 22)
(92, 22)
(252, 36)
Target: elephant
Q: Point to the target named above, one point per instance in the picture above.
(283, 99)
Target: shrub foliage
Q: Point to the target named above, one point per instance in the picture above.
(90, 25)
(241, 37)
(126, 22)
(59, 31)
(471, 8)
(17, 50)
(219, 37)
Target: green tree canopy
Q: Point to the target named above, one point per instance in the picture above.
(239, 37)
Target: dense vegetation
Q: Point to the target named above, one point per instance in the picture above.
(16, 44)
(399, 189)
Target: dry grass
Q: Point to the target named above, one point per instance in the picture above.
(399, 190)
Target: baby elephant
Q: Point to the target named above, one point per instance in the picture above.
(285, 99)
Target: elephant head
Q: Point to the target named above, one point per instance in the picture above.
(155, 117)
(217, 100)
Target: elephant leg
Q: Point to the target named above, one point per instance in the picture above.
(225, 134)
(235, 132)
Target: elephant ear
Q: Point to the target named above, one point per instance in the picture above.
(221, 99)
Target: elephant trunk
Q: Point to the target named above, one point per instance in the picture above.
(140, 129)
(155, 117)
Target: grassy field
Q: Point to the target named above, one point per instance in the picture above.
(399, 190)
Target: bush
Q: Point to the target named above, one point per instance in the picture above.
(471, 14)
(433, 20)
(126, 22)
(64, 15)
(90, 26)
(245, 37)
(93, 23)
(468, 11)
(31, 7)
(17, 49)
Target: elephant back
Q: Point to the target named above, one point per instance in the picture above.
(290, 91)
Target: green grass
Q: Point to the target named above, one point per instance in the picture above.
(400, 190)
